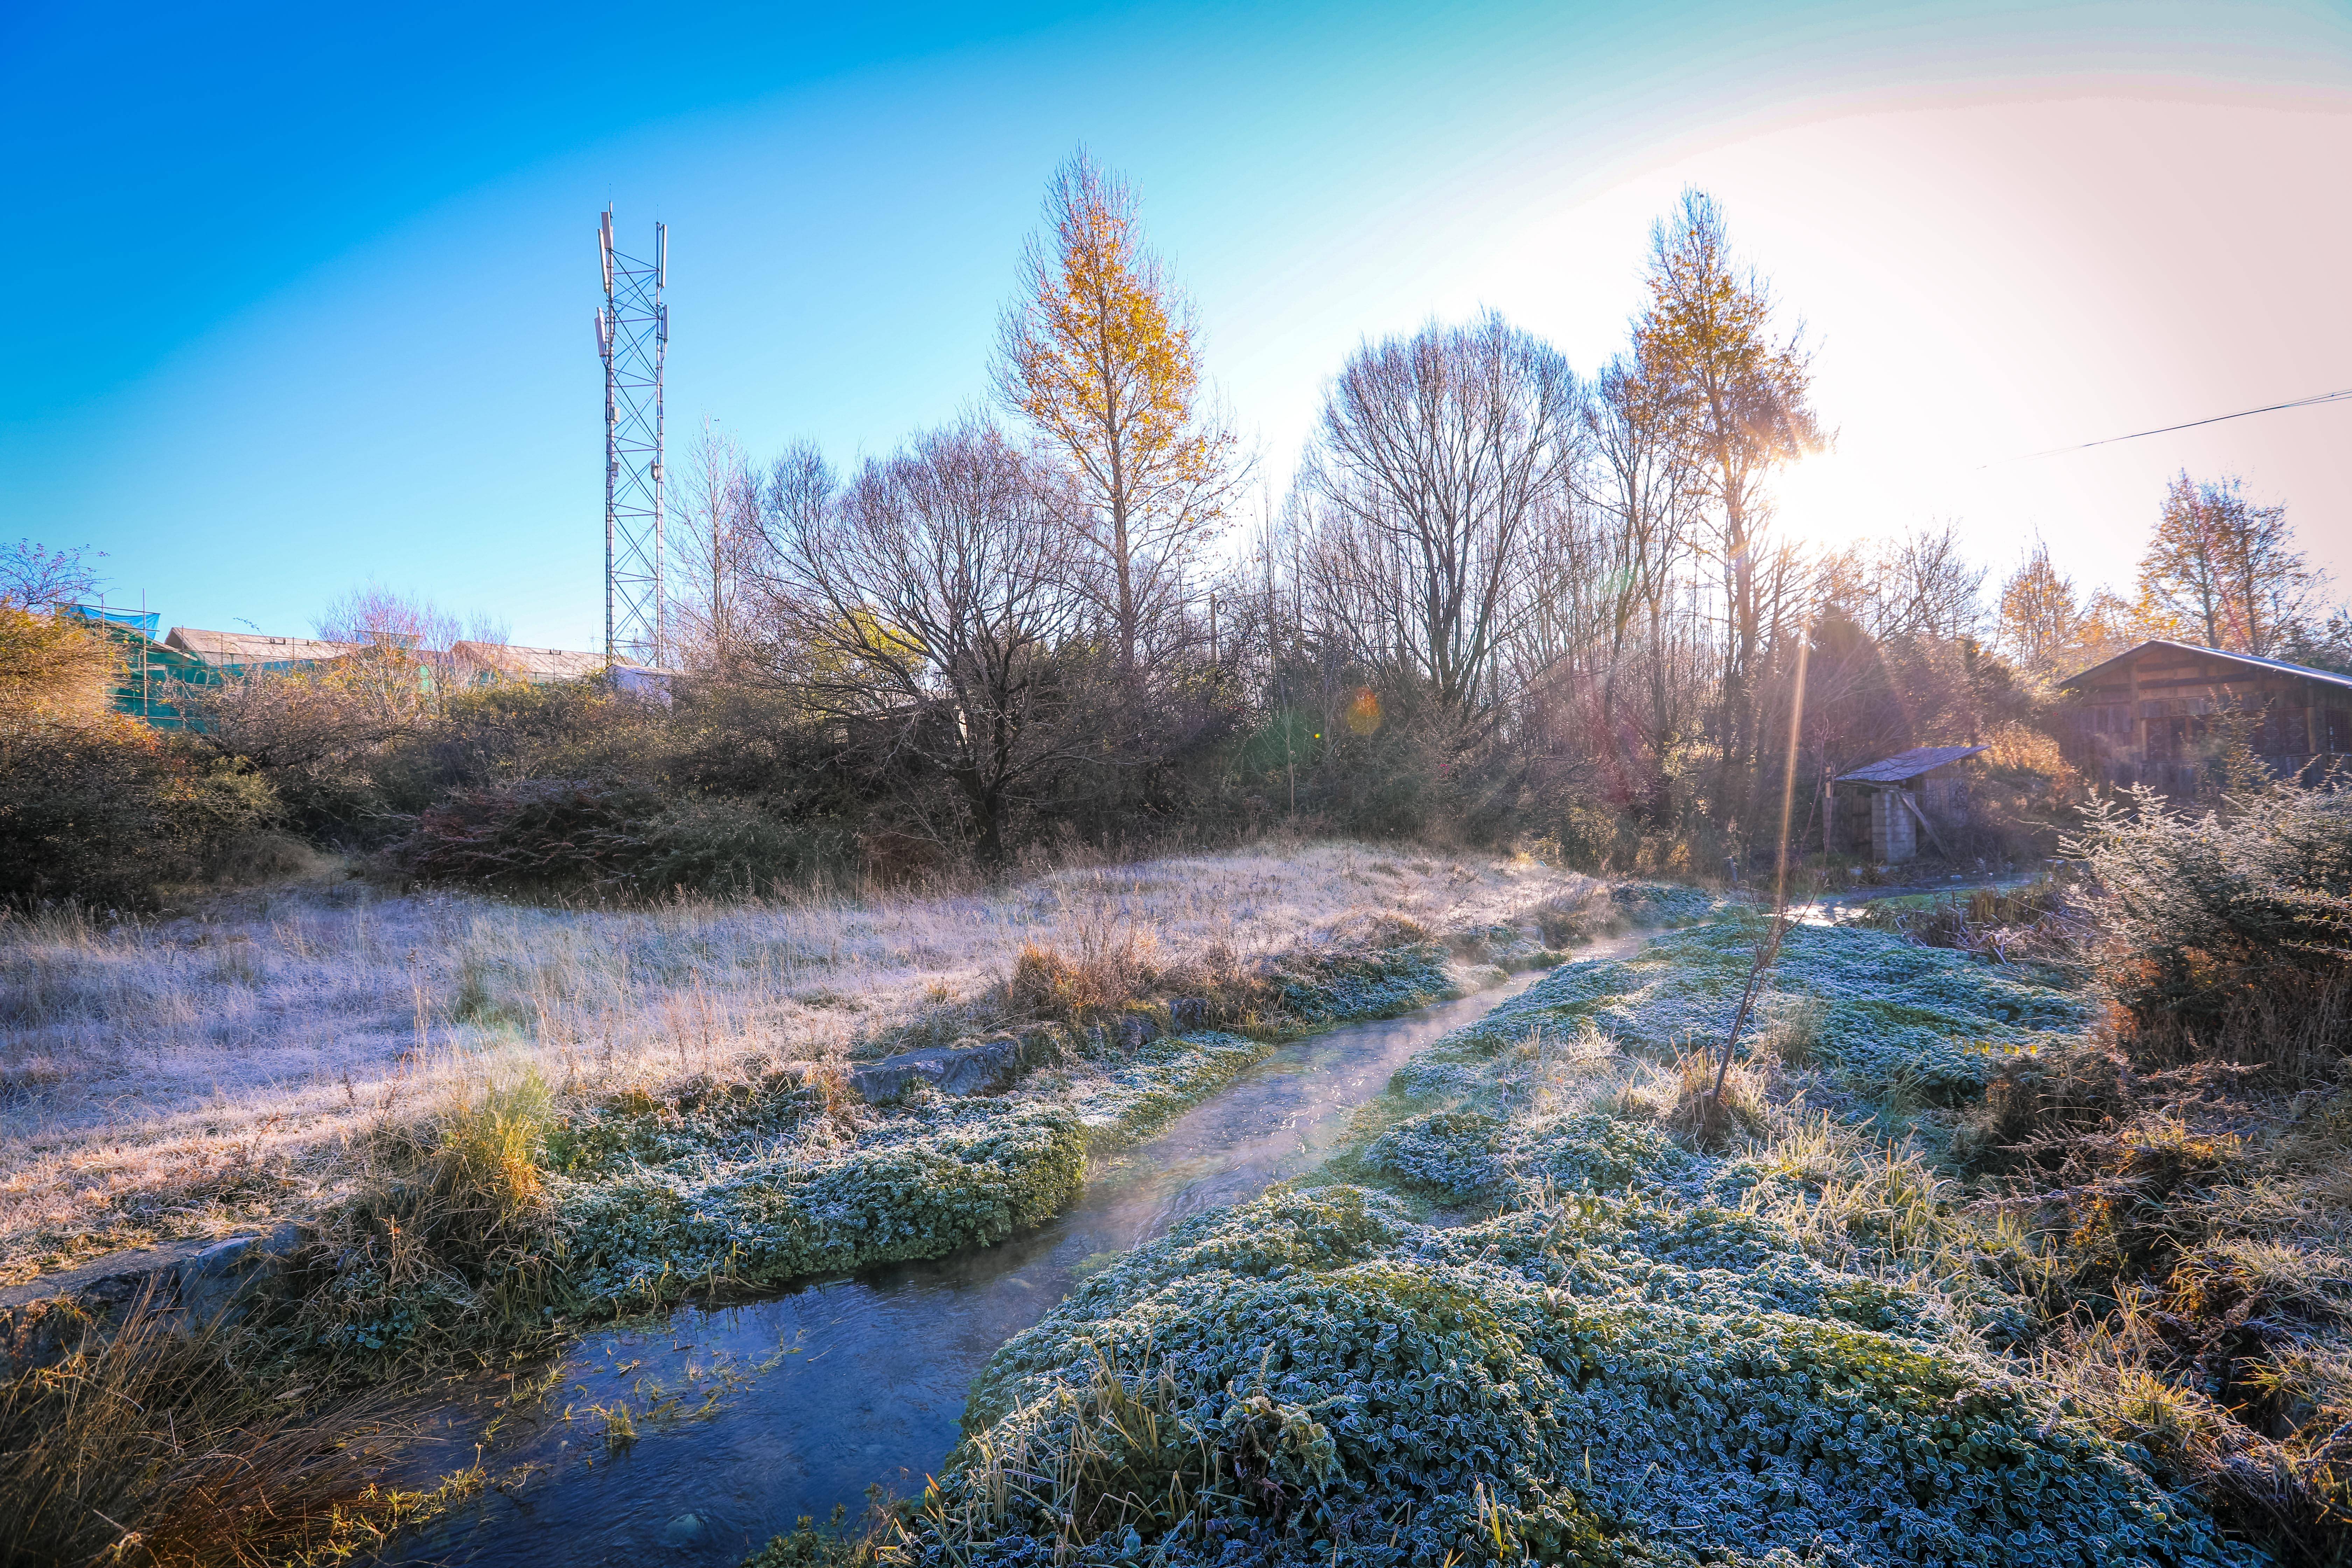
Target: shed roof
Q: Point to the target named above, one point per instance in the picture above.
(1908, 764)
(531, 663)
(2274, 666)
(252, 647)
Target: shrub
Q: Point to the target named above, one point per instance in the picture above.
(2229, 932)
(601, 837)
(53, 670)
(733, 846)
(105, 813)
(539, 834)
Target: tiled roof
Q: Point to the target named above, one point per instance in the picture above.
(531, 663)
(252, 647)
(1908, 764)
(2275, 665)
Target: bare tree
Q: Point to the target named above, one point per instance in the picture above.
(34, 577)
(1639, 482)
(1439, 457)
(1921, 585)
(719, 541)
(921, 610)
(403, 648)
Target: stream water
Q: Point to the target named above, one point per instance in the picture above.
(1831, 906)
(750, 1415)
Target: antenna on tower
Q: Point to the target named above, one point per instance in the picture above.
(632, 339)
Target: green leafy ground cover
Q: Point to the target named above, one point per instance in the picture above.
(1634, 1351)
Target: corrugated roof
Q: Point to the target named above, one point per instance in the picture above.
(2275, 665)
(531, 663)
(1908, 764)
(252, 647)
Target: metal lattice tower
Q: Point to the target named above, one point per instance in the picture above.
(632, 337)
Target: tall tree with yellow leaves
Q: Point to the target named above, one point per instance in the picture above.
(1099, 354)
(1707, 338)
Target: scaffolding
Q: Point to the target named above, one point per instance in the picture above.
(153, 679)
(632, 339)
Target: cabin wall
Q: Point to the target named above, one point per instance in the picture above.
(2158, 718)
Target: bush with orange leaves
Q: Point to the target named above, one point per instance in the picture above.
(96, 807)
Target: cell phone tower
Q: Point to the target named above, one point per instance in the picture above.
(631, 338)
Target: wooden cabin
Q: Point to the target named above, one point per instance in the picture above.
(2159, 714)
(1885, 808)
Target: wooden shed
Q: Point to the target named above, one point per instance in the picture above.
(2158, 714)
(1882, 809)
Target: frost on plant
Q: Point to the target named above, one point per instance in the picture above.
(774, 1186)
(1620, 1364)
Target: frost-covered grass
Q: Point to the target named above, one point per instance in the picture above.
(1882, 1013)
(1633, 1351)
(772, 1183)
(202, 1072)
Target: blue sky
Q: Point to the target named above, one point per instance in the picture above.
(303, 296)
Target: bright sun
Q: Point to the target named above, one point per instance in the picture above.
(1832, 501)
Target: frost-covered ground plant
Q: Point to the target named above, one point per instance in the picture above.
(1880, 1012)
(1662, 903)
(1588, 1380)
(768, 1184)
(1641, 1353)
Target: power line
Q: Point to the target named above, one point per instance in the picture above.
(2168, 429)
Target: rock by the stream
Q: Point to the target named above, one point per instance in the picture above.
(967, 1066)
(218, 1284)
(202, 1284)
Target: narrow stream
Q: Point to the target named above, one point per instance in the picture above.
(1833, 905)
(792, 1404)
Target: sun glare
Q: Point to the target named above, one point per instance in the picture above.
(1831, 501)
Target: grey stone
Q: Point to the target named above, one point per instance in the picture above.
(683, 1530)
(1186, 1013)
(967, 1066)
(216, 1285)
(211, 1283)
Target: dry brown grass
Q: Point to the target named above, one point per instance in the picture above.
(192, 1074)
(147, 1443)
(1112, 963)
